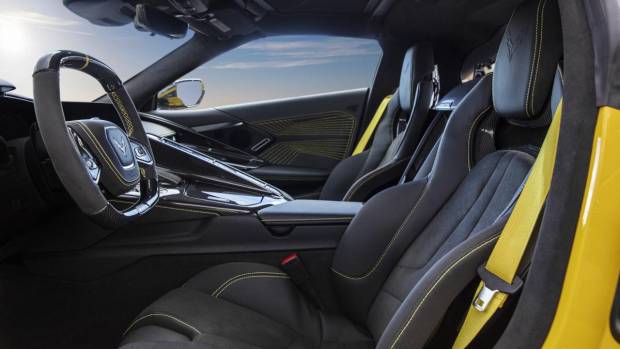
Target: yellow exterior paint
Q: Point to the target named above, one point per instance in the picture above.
(583, 316)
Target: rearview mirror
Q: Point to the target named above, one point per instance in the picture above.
(151, 19)
(181, 94)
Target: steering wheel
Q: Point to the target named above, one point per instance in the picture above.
(87, 154)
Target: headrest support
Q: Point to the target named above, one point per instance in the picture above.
(418, 65)
(527, 59)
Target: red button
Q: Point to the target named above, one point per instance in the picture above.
(289, 259)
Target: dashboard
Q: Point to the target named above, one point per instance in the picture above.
(198, 175)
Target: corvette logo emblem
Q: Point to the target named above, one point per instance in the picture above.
(512, 43)
(120, 145)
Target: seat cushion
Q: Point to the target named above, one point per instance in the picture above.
(240, 305)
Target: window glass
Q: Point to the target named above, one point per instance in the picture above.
(288, 66)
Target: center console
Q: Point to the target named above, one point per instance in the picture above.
(191, 180)
(209, 204)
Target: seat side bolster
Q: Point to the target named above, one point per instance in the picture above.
(342, 176)
(375, 180)
(432, 296)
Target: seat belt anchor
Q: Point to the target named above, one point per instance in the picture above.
(491, 285)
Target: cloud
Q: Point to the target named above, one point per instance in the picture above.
(270, 53)
(41, 21)
(277, 45)
(271, 64)
(317, 48)
(37, 18)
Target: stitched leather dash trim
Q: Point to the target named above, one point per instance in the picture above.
(441, 277)
(259, 274)
(168, 316)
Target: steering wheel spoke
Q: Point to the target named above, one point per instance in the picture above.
(92, 165)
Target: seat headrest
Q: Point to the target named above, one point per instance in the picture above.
(527, 59)
(418, 65)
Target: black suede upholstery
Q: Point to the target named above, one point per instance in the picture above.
(403, 260)
(390, 147)
(249, 306)
(472, 211)
(384, 234)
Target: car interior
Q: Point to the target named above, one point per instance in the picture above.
(361, 218)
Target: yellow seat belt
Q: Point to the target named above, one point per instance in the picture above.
(370, 129)
(499, 278)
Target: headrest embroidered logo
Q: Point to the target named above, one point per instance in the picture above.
(512, 43)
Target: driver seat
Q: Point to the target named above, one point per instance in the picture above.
(410, 251)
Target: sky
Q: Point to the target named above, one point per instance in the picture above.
(268, 68)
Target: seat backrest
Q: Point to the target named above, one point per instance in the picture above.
(411, 102)
(427, 146)
(413, 248)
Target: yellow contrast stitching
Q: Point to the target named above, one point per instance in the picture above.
(218, 291)
(534, 54)
(162, 315)
(435, 285)
(86, 62)
(405, 221)
(103, 154)
(387, 248)
(542, 29)
(123, 112)
(286, 152)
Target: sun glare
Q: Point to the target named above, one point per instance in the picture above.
(12, 36)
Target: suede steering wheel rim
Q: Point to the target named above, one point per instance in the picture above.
(86, 152)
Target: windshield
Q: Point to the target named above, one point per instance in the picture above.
(31, 28)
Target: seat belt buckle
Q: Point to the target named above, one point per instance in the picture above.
(491, 285)
(296, 270)
(294, 267)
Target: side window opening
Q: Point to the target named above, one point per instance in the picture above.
(287, 66)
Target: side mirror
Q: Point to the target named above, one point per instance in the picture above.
(5, 87)
(181, 94)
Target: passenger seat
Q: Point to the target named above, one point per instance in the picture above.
(411, 252)
(398, 132)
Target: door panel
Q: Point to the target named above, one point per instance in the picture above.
(299, 139)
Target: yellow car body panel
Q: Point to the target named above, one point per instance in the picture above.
(583, 316)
